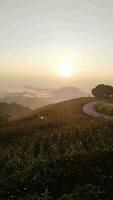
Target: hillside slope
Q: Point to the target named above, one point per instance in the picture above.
(66, 110)
(33, 97)
(13, 110)
(26, 100)
(57, 153)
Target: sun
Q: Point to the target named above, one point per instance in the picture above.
(65, 69)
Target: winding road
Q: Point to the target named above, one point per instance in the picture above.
(89, 109)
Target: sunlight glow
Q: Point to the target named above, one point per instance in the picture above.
(65, 69)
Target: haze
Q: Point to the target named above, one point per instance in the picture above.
(35, 35)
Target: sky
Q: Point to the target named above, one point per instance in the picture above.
(36, 35)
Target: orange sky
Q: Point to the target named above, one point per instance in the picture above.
(36, 35)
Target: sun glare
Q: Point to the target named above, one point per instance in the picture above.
(65, 69)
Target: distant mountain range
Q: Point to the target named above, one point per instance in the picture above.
(66, 93)
(34, 97)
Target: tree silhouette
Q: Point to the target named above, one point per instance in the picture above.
(103, 92)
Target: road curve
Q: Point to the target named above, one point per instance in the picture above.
(89, 110)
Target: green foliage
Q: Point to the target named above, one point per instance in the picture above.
(86, 192)
(65, 156)
(103, 92)
(104, 108)
(45, 196)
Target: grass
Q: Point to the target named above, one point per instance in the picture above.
(66, 156)
(104, 108)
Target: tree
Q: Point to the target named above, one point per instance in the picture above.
(103, 91)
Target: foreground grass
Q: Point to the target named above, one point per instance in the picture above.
(66, 156)
(104, 108)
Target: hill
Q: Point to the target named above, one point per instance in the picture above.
(12, 110)
(26, 99)
(34, 97)
(66, 93)
(56, 112)
(57, 153)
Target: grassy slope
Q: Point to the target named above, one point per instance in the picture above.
(67, 155)
(13, 110)
(104, 108)
(66, 110)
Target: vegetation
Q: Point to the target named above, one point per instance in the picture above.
(3, 118)
(103, 92)
(64, 155)
(13, 110)
(104, 108)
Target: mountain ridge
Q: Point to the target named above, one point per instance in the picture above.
(13, 110)
(34, 97)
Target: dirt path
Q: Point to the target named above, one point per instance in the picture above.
(88, 109)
